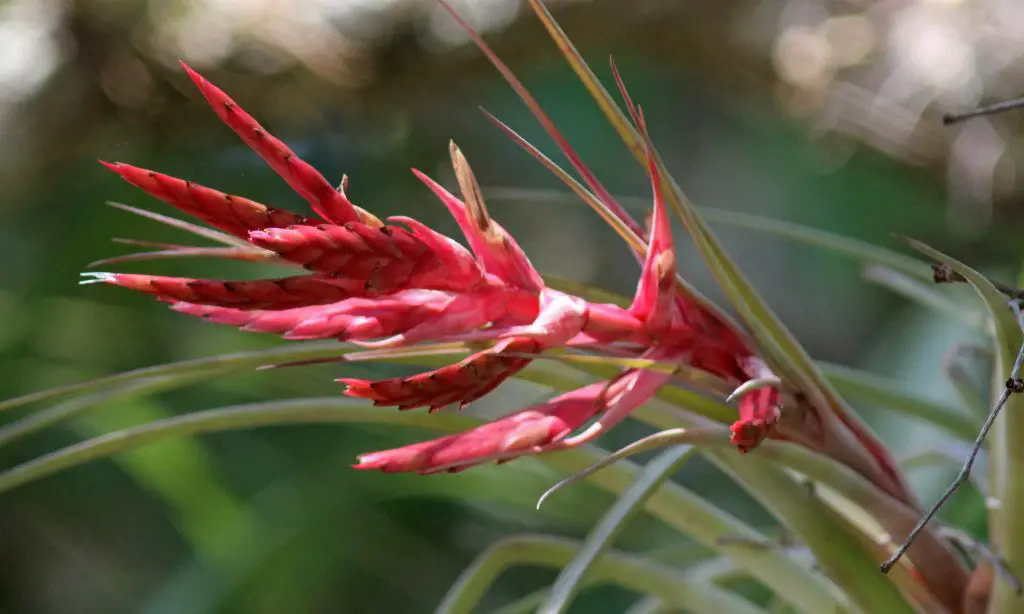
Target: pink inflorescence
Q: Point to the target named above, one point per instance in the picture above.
(400, 283)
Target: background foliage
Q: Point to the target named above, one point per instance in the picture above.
(785, 112)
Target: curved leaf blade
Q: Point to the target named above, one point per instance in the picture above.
(627, 507)
(878, 390)
(860, 251)
(673, 504)
(623, 569)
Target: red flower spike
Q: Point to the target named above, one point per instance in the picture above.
(282, 293)
(456, 265)
(303, 178)
(380, 286)
(561, 318)
(468, 313)
(351, 319)
(463, 382)
(523, 432)
(232, 214)
(535, 430)
(388, 258)
(629, 390)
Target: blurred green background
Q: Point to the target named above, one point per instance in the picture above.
(819, 112)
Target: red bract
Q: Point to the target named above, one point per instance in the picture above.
(540, 428)
(389, 285)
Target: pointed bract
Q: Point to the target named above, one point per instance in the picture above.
(284, 293)
(463, 382)
(351, 319)
(526, 431)
(655, 294)
(303, 178)
(388, 259)
(497, 250)
(232, 214)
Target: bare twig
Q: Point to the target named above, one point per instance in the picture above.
(944, 274)
(1013, 385)
(992, 109)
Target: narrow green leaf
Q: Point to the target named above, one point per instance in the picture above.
(527, 604)
(618, 362)
(650, 605)
(185, 251)
(867, 501)
(629, 571)
(856, 249)
(839, 552)
(968, 390)
(661, 439)
(73, 407)
(779, 346)
(608, 366)
(1008, 333)
(708, 524)
(612, 112)
(198, 366)
(603, 535)
(944, 568)
(672, 504)
(718, 570)
(599, 206)
(878, 390)
(925, 294)
(202, 231)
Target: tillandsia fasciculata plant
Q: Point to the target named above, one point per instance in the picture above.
(666, 357)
